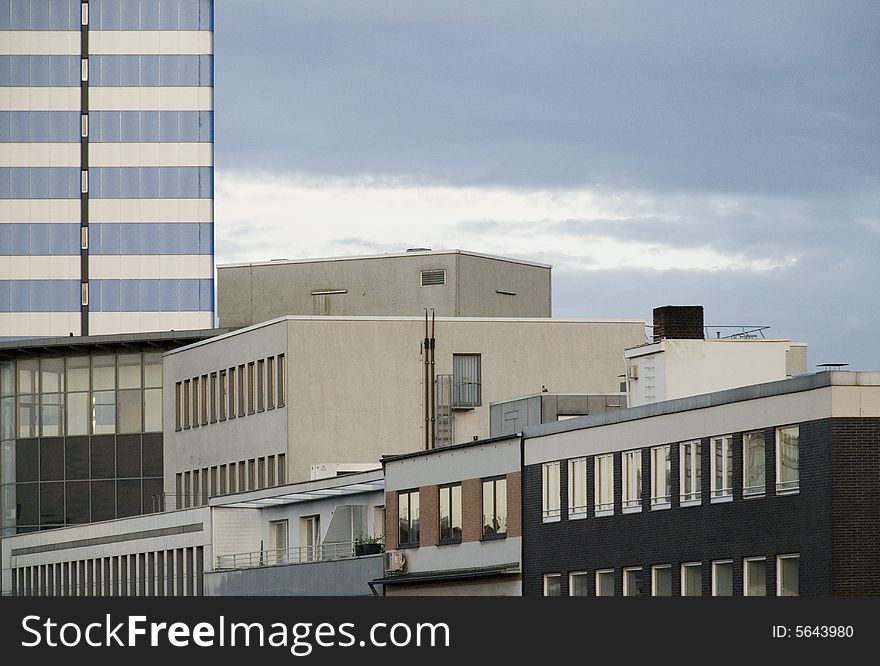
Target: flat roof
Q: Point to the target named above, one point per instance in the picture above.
(391, 255)
(440, 449)
(797, 384)
(81, 344)
(323, 318)
(303, 491)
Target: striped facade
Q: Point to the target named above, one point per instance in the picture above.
(106, 166)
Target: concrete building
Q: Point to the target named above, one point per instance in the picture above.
(453, 283)
(453, 521)
(769, 489)
(293, 540)
(681, 361)
(259, 406)
(106, 166)
(81, 428)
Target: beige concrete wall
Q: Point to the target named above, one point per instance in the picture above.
(381, 286)
(356, 386)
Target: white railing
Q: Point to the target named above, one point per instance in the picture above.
(295, 555)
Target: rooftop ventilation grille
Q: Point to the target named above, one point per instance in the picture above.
(435, 278)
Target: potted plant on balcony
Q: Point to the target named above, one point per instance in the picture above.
(365, 544)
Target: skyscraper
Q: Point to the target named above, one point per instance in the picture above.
(106, 166)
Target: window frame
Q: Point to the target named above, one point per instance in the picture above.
(695, 497)
(723, 494)
(546, 579)
(746, 561)
(779, 561)
(748, 491)
(660, 502)
(787, 487)
(449, 487)
(457, 401)
(601, 509)
(409, 494)
(494, 481)
(715, 565)
(549, 513)
(604, 572)
(654, 569)
(577, 511)
(691, 565)
(585, 575)
(626, 590)
(631, 474)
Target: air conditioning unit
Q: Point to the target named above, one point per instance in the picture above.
(633, 372)
(395, 561)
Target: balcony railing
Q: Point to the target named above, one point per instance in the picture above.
(295, 555)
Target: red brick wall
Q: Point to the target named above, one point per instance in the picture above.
(429, 516)
(391, 520)
(514, 506)
(471, 510)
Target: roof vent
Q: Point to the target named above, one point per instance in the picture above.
(419, 249)
(433, 278)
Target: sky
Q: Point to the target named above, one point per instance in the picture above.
(714, 153)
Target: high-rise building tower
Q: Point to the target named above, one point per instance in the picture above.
(106, 166)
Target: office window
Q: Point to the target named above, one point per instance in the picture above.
(632, 582)
(270, 472)
(186, 401)
(252, 474)
(692, 579)
(661, 472)
(177, 406)
(204, 400)
(280, 383)
(466, 380)
(605, 583)
(195, 402)
(722, 578)
(241, 392)
(755, 577)
(722, 468)
(242, 476)
(661, 580)
(261, 472)
(689, 472)
(577, 488)
(603, 481)
(754, 464)
(550, 491)
(233, 478)
(495, 508)
(222, 398)
(408, 516)
(787, 575)
(232, 388)
(261, 385)
(250, 388)
(632, 480)
(577, 584)
(310, 537)
(282, 469)
(270, 382)
(213, 397)
(787, 460)
(450, 513)
(222, 475)
(552, 585)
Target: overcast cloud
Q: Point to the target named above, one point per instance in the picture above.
(654, 152)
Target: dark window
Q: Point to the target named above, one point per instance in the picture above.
(495, 508)
(128, 456)
(103, 500)
(103, 457)
(27, 500)
(78, 510)
(408, 514)
(466, 381)
(51, 504)
(76, 458)
(152, 495)
(450, 513)
(152, 455)
(128, 498)
(52, 459)
(26, 455)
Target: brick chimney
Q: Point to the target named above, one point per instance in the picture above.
(682, 322)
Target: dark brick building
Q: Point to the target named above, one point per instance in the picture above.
(768, 489)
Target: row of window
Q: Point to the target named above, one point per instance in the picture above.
(657, 580)
(107, 127)
(196, 487)
(142, 238)
(107, 295)
(247, 389)
(107, 182)
(660, 486)
(164, 573)
(494, 513)
(149, 71)
(108, 15)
